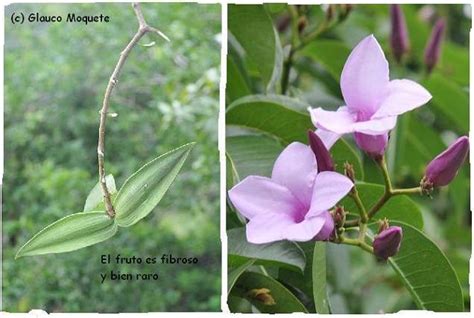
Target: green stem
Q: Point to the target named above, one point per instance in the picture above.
(287, 65)
(362, 211)
(389, 191)
(348, 241)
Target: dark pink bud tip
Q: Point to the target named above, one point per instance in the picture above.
(399, 35)
(387, 243)
(323, 157)
(433, 48)
(442, 169)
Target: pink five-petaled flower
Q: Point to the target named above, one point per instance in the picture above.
(373, 101)
(293, 204)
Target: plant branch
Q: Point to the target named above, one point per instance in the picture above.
(143, 28)
(389, 190)
(348, 241)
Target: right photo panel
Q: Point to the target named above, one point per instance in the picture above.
(347, 158)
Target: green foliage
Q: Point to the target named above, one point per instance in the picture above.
(167, 95)
(144, 189)
(426, 272)
(70, 233)
(260, 123)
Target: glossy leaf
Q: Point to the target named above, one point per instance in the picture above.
(70, 233)
(144, 189)
(95, 200)
(237, 85)
(253, 154)
(399, 208)
(319, 278)
(235, 272)
(253, 28)
(281, 253)
(426, 272)
(283, 301)
(281, 116)
(331, 54)
(450, 101)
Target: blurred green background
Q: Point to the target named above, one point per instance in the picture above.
(419, 136)
(55, 77)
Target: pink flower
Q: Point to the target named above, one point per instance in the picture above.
(373, 101)
(293, 204)
(387, 243)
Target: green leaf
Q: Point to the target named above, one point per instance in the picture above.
(237, 85)
(235, 272)
(70, 233)
(331, 54)
(342, 152)
(144, 189)
(253, 28)
(454, 63)
(449, 100)
(398, 208)
(319, 278)
(282, 253)
(253, 154)
(95, 200)
(281, 116)
(426, 272)
(283, 300)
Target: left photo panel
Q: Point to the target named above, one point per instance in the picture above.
(110, 197)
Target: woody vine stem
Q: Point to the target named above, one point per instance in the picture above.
(143, 28)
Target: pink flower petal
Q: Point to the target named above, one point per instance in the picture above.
(328, 137)
(305, 230)
(339, 122)
(328, 228)
(259, 195)
(365, 76)
(329, 188)
(296, 168)
(269, 227)
(403, 95)
(376, 126)
(343, 121)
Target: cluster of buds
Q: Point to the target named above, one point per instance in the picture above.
(445, 166)
(400, 43)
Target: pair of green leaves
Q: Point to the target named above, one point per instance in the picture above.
(140, 193)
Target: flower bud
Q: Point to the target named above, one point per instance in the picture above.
(399, 35)
(445, 166)
(339, 216)
(387, 243)
(328, 228)
(374, 146)
(302, 23)
(349, 171)
(323, 157)
(433, 48)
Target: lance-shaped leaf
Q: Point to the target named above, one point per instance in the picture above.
(426, 272)
(95, 200)
(144, 189)
(70, 233)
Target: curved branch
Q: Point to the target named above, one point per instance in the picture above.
(143, 28)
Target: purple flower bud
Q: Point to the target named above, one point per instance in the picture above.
(387, 243)
(399, 36)
(433, 48)
(328, 228)
(374, 146)
(323, 157)
(444, 167)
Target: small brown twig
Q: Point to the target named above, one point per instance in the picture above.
(143, 28)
